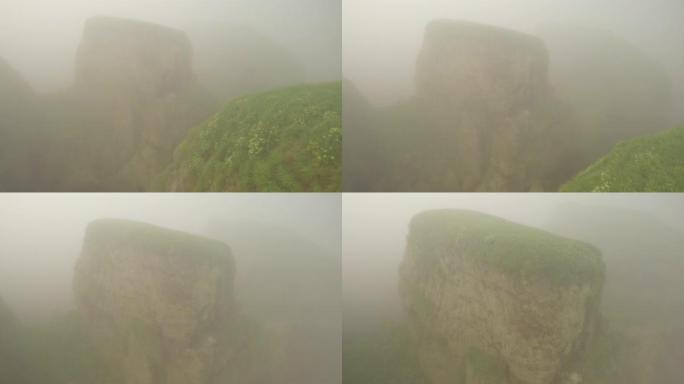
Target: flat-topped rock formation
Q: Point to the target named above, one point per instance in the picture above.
(486, 100)
(137, 84)
(491, 301)
(151, 59)
(158, 303)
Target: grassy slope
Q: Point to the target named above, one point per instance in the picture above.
(283, 140)
(514, 248)
(653, 163)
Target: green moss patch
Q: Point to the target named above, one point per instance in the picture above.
(445, 30)
(289, 139)
(154, 238)
(652, 163)
(512, 247)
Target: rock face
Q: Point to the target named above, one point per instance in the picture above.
(486, 98)
(491, 301)
(158, 303)
(14, 366)
(136, 80)
(20, 127)
(123, 54)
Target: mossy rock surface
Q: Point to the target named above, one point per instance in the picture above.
(442, 30)
(513, 248)
(154, 239)
(288, 139)
(652, 163)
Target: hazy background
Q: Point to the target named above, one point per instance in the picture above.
(41, 234)
(375, 226)
(39, 38)
(381, 38)
(640, 236)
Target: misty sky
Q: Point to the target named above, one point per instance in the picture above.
(375, 226)
(381, 38)
(39, 38)
(41, 234)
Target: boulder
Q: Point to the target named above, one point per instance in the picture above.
(488, 106)
(158, 303)
(136, 82)
(491, 301)
(20, 128)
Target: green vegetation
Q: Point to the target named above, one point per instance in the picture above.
(653, 163)
(284, 140)
(514, 248)
(152, 237)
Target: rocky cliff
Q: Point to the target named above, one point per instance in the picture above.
(21, 125)
(491, 301)
(14, 365)
(158, 303)
(137, 85)
(485, 96)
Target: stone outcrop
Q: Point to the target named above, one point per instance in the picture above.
(491, 301)
(20, 128)
(136, 81)
(158, 303)
(487, 102)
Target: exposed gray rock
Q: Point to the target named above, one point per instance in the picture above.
(158, 303)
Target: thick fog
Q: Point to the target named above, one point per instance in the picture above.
(39, 38)
(375, 226)
(408, 314)
(41, 235)
(381, 38)
(505, 96)
(248, 290)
